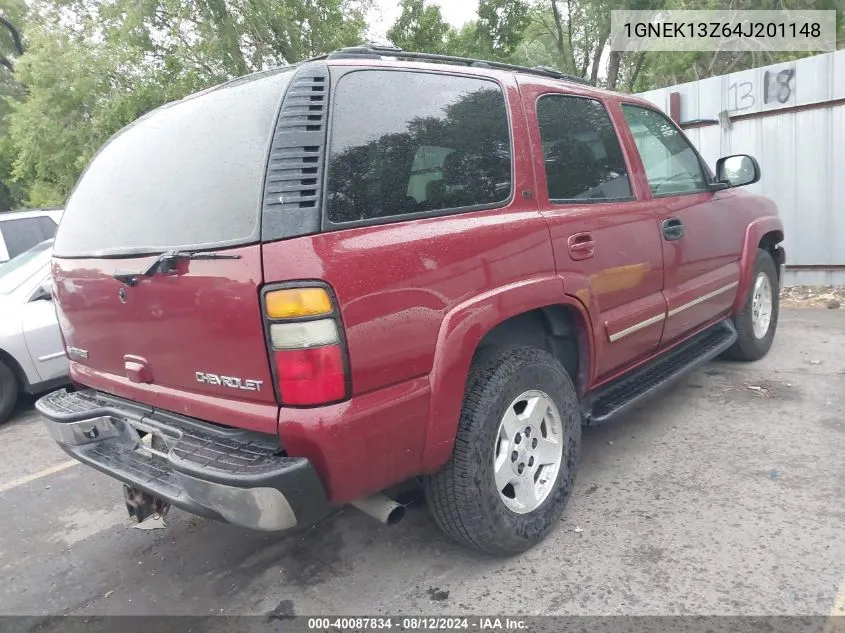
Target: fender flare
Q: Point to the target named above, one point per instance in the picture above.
(754, 232)
(460, 333)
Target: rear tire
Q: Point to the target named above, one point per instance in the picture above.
(509, 391)
(8, 392)
(757, 322)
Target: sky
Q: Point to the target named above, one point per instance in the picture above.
(455, 12)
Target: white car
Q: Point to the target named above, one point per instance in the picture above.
(21, 230)
(32, 355)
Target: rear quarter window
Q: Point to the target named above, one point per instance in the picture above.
(408, 143)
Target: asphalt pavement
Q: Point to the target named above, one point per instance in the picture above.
(724, 497)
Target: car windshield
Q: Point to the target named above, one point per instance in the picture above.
(18, 269)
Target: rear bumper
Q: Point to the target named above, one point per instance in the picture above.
(236, 476)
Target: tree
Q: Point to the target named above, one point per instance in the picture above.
(12, 16)
(469, 41)
(568, 34)
(90, 68)
(420, 27)
(502, 23)
(232, 37)
(12, 44)
(77, 96)
(494, 35)
(290, 31)
(10, 194)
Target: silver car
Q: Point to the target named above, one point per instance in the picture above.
(32, 357)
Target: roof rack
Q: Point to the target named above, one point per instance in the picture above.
(380, 51)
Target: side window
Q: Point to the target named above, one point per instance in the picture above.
(671, 165)
(583, 158)
(22, 234)
(411, 142)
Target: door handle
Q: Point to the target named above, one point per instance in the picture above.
(673, 229)
(581, 246)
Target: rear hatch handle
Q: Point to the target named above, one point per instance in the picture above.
(166, 263)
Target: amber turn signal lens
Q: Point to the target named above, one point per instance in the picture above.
(297, 302)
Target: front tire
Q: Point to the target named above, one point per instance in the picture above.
(513, 465)
(8, 392)
(757, 322)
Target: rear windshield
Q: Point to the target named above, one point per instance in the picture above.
(189, 175)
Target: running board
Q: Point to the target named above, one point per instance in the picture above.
(627, 392)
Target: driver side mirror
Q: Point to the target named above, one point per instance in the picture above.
(737, 170)
(44, 292)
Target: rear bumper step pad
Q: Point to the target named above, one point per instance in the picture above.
(622, 395)
(229, 474)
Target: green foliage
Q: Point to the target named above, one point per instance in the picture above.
(90, 68)
(502, 23)
(420, 27)
(469, 41)
(77, 95)
(494, 35)
(13, 13)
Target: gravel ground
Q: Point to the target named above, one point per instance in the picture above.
(831, 297)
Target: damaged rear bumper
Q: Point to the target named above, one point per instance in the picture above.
(229, 474)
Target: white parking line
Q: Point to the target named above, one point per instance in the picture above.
(47, 471)
(836, 621)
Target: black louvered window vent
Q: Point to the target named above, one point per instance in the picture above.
(294, 173)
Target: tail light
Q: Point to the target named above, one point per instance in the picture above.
(305, 337)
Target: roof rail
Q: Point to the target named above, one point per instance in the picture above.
(380, 51)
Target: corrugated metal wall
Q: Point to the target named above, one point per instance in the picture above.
(801, 150)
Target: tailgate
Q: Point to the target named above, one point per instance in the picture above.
(191, 342)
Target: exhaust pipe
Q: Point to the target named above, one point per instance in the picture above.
(381, 508)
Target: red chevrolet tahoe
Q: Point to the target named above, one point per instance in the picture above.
(302, 287)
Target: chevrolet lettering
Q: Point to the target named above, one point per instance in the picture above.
(229, 381)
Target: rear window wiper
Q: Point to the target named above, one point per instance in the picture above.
(166, 263)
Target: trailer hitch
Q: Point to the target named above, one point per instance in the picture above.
(141, 504)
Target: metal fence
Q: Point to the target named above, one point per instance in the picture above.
(791, 117)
